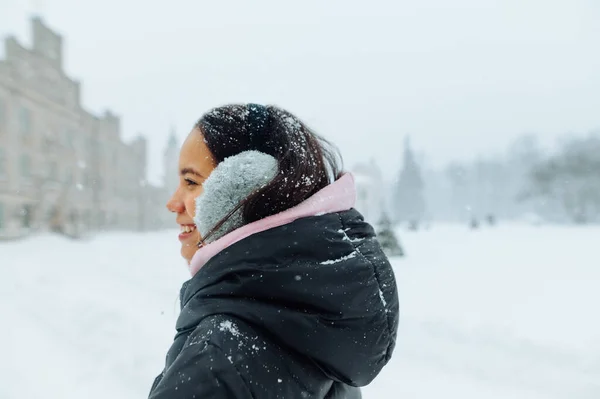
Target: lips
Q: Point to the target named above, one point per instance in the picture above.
(188, 228)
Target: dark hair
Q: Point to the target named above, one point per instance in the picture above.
(307, 162)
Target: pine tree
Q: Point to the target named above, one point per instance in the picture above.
(409, 201)
(386, 237)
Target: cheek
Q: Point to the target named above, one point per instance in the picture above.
(190, 206)
(190, 202)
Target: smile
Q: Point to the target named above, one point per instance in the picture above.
(188, 228)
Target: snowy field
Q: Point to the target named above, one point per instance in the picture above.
(505, 312)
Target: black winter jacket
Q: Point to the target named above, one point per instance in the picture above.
(304, 310)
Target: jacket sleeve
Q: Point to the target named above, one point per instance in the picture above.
(201, 371)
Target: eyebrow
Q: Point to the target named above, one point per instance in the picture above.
(185, 171)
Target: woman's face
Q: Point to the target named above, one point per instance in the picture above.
(195, 165)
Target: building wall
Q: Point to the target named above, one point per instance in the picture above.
(170, 179)
(59, 163)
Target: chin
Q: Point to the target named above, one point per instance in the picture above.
(188, 249)
(187, 257)
(186, 254)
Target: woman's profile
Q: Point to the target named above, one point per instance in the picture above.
(291, 295)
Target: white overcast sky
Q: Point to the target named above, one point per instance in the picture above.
(462, 77)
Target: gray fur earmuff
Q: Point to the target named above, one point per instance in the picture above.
(231, 182)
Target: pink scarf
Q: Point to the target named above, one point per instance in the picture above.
(337, 197)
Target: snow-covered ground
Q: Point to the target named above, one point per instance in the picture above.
(505, 312)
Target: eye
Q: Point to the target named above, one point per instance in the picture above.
(189, 182)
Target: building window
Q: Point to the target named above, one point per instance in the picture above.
(2, 163)
(26, 215)
(69, 177)
(2, 114)
(53, 170)
(25, 165)
(25, 121)
(69, 138)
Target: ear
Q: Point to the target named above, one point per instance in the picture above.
(232, 181)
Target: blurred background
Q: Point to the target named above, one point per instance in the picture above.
(472, 128)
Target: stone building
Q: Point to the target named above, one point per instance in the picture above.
(160, 216)
(170, 164)
(62, 167)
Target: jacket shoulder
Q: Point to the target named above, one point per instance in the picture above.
(200, 370)
(268, 369)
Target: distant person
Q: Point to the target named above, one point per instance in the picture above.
(474, 224)
(291, 295)
(413, 225)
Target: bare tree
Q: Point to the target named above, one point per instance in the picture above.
(571, 177)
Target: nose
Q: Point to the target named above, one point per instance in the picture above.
(175, 204)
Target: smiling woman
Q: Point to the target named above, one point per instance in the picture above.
(196, 163)
(291, 295)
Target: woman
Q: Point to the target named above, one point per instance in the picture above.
(291, 295)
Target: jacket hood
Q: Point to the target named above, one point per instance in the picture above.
(319, 286)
